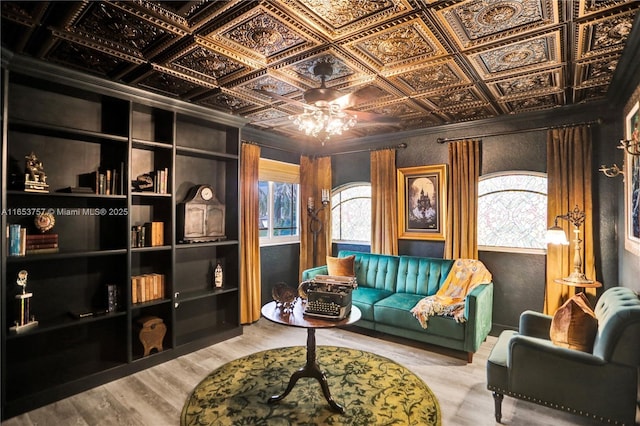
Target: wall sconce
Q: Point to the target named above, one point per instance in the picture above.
(632, 146)
(612, 171)
(315, 223)
(556, 235)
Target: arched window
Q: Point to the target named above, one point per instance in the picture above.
(512, 211)
(351, 213)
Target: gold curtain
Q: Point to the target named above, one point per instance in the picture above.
(250, 297)
(315, 175)
(462, 200)
(384, 212)
(569, 158)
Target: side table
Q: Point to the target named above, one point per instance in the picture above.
(296, 318)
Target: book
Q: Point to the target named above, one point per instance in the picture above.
(77, 190)
(42, 238)
(43, 250)
(14, 240)
(40, 246)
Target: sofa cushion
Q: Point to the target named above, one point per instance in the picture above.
(341, 266)
(395, 310)
(574, 324)
(377, 271)
(422, 275)
(364, 298)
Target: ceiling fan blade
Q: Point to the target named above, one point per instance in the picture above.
(360, 96)
(373, 117)
(277, 97)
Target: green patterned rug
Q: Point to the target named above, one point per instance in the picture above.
(373, 390)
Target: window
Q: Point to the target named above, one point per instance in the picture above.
(512, 211)
(279, 202)
(351, 213)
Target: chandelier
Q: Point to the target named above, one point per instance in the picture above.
(324, 120)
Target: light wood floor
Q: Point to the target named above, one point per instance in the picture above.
(155, 396)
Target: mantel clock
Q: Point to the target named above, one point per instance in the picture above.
(200, 217)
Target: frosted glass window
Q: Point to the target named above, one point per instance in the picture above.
(512, 210)
(351, 213)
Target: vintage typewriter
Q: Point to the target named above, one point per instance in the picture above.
(329, 296)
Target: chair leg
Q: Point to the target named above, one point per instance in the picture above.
(497, 399)
(469, 357)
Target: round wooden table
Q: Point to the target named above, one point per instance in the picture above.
(311, 369)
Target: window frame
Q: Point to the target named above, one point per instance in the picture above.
(272, 171)
(334, 192)
(506, 249)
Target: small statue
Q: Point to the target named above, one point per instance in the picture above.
(35, 179)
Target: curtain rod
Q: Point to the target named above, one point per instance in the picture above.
(511, 132)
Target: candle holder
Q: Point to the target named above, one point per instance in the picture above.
(315, 222)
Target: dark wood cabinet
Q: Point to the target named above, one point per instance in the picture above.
(82, 127)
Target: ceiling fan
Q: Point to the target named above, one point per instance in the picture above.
(326, 110)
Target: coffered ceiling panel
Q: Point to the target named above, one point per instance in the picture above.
(424, 62)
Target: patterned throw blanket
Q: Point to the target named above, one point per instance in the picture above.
(465, 275)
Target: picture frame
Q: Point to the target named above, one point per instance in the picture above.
(422, 202)
(632, 183)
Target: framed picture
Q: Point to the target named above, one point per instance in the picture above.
(632, 184)
(422, 202)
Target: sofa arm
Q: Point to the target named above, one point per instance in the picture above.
(527, 351)
(308, 274)
(534, 324)
(478, 311)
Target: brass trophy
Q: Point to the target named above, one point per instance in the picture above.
(26, 320)
(35, 180)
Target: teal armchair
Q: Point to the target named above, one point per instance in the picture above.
(602, 385)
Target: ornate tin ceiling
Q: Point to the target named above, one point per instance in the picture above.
(433, 61)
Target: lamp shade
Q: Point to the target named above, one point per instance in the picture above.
(556, 235)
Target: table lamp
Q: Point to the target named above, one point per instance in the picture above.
(556, 235)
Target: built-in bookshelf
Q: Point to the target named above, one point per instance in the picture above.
(118, 162)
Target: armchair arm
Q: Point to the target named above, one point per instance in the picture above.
(534, 324)
(308, 274)
(478, 311)
(552, 375)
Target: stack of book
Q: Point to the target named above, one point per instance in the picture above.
(151, 234)
(42, 243)
(147, 287)
(104, 182)
(16, 240)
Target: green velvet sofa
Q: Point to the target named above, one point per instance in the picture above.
(601, 384)
(389, 286)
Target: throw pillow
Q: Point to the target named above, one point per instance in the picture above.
(574, 325)
(341, 266)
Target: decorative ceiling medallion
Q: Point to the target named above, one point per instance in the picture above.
(304, 68)
(534, 103)
(528, 84)
(604, 35)
(168, 84)
(270, 84)
(339, 13)
(589, 7)
(399, 45)
(455, 98)
(404, 108)
(225, 101)
(596, 72)
(265, 34)
(432, 77)
(84, 58)
(340, 18)
(267, 115)
(211, 64)
(520, 56)
(476, 22)
(116, 28)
